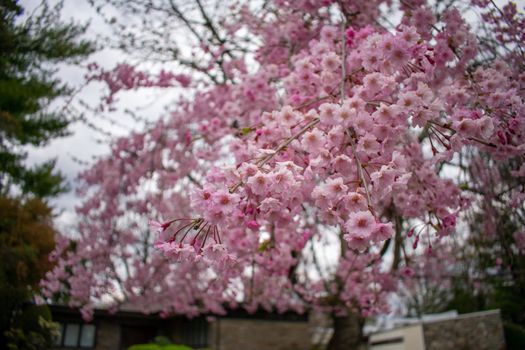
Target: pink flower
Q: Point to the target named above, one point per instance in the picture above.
(181, 252)
(485, 127)
(287, 116)
(345, 114)
(86, 313)
(356, 242)
(335, 136)
(313, 141)
(269, 205)
(409, 34)
(355, 202)
(321, 198)
(258, 183)
(183, 79)
(416, 242)
(224, 201)
(282, 180)
(368, 145)
(384, 178)
(385, 114)
(408, 272)
(331, 62)
(344, 165)
(202, 197)
(350, 36)
(371, 60)
(373, 83)
(329, 33)
(399, 55)
(449, 224)
(363, 123)
(335, 187)
(252, 224)
(328, 113)
(467, 127)
(360, 227)
(361, 223)
(356, 103)
(409, 101)
(158, 226)
(383, 232)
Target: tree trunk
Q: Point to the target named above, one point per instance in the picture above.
(348, 333)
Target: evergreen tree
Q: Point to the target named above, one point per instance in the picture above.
(29, 52)
(30, 49)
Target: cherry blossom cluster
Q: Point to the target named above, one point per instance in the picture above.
(336, 141)
(126, 77)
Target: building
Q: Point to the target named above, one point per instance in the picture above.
(478, 330)
(237, 330)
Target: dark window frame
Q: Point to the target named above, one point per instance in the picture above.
(196, 333)
(63, 330)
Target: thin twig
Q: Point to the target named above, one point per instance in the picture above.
(360, 170)
(261, 162)
(289, 140)
(343, 57)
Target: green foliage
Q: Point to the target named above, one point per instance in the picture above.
(28, 85)
(464, 300)
(162, 340)
(511, 302)
(144, 347)
(160, 343)
(26, 239)
(493, 269)
(31, 329)
(176, 347)
(514, 336)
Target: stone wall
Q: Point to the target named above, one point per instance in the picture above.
(475, 331)
(249, 334)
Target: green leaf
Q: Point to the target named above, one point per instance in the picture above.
(264, 246)
(245, 131)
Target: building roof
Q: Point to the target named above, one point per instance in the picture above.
(402, 322)
(130, 312)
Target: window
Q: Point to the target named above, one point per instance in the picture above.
(75, 335)
(190, 332)
(71, 335)
(87, 337)
(195, 333)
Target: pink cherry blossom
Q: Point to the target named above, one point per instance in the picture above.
(311, 139)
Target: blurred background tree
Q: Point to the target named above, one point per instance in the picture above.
(31, 47)
(482, 271)
(26, 239)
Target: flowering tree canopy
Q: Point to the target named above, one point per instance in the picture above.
(322, 148)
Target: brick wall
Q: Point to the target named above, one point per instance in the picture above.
(238, 330)
(476, 331)
(246, 334)
(108, 336)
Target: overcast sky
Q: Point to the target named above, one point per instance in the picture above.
(85, 144)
